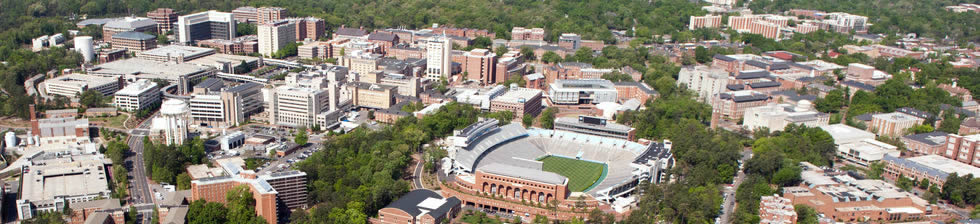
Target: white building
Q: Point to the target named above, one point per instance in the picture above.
(582, 91)
(205, 25)
(55, 180)
(776, 117)
(173, 121)
(274, 36)
(867, 151)
(844, 134)
(703, 80)
(73, 85)
(137, 95)
(297, 106)
(438, 57)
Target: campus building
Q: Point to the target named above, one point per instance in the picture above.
(205, 25)
(73, 85)
(582, 91)
(595, 126)
(521, 101)
(420, 206)
(297, 106)
(370, 95)
(843, 198)
(137, 96)
(703, 80)
(707, 21)
(54, 180)
(275, 35)
(963, 149)
(732, 105)
(934, 168)
(271, 203)
(479, 66)
(165, 18)
(127, 24)
(134, 41)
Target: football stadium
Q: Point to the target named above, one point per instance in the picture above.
(516, 170)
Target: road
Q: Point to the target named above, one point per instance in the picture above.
(729, 193)
(139, 188)
(417, 175)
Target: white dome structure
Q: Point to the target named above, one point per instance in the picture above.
(804, 105)
(173, 121)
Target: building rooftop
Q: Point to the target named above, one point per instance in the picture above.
(846, 134)
(138, 87)
(946, 165)
(518, 95)
(130, 23)
(178, 50)
(572, 84)
(868, 149)
(894, 117)
(932, 138)
(143, 68)
(64, 176)
(524, 173)
(130, 35)
(605, 125)
(744, 96)
(422, 201)
(233, 60)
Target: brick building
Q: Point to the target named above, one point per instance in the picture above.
(521, 101)
(843, 198)
(521, 33)
(707, 21)
(931, 143)
(732, 105)
(165, 18)
(963, 148)
(266, 15)
(134, 41)
(479, 65)
(776, 210)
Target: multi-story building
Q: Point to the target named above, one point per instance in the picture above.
(297, 106)
(137, 96)
(275, 35)
(842, 198)
(866, 74)
(175, 53)
(464, 32)
(767, 29)
(165, 19)
(595, 126)
(893, 124)
(634, 90)
(934, 168)
(703, 80)
(215, 189)
(126, 24)
(205, 25)
(53, 181)
(582, 91)
(373, 95)
(265, 15)
(806, 28)
(291, 188)
(776, 210)
(742, 23)
(707, 21)
(510, 64)
(963, 149)
(110, 55)
(386, 40)
(521, 101)
(732, 105)
(521, 33)
(133, 41)
(309, 28)
(182, 74)
(226, 106)
(866, 151)
(775, 117)
(420, 206)
(480, 66)
(932, 143)
(407, 85)
(361, 62)
(73, 85)
(843, 22)
(438, 58)
(574, 70)
(240, 45)
(246, 14)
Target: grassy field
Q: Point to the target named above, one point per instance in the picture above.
(581, 174)
(114, 121)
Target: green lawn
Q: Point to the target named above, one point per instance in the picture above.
(114, 121)
(581, 174)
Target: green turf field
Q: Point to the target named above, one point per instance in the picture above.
(581, 174)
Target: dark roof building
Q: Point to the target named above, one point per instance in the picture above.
(420, 206)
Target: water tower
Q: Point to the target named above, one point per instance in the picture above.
(174, 113)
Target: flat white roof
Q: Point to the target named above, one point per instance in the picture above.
(431, 203)
(136, 88)
(843, 134)
(946, 165)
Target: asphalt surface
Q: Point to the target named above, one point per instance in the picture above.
(140, 195)
(729, 193)
(417, 175)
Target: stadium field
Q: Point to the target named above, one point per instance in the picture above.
(581, 174)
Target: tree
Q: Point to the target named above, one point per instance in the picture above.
(547, 117)
(540, 219)
(924, 128)
(806, 214)
(301, 136)
(832, 102)
(501, 50)
(156, 216)
(203, 212)
(550, 57)
(132, 215)
(183, 181)
(241, 206)
(528, 53)
(91, 98)
(527, 120)
(701, 55)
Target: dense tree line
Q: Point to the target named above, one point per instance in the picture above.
(926, 18)
(776, 162)
(593, 19)
(166, 163)
(360, 172)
